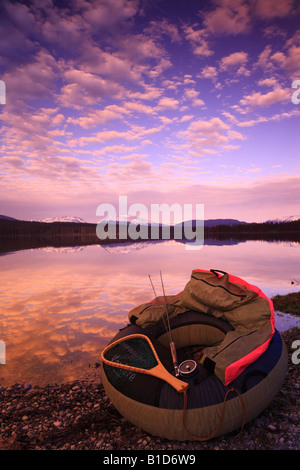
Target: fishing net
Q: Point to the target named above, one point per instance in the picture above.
(135, 354)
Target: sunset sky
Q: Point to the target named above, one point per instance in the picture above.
(162, 101)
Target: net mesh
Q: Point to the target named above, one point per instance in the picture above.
(134, 352)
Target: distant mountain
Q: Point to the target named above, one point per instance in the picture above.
(124, 219)
(67, 218)
(5, 217)
(291, 218)
(213, 222)
(128, 219)
(188, 223)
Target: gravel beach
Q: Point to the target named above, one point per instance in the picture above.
(79, 416)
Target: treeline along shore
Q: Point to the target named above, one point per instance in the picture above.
(268, 231)
(17, 235)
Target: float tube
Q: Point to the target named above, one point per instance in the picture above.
(222, 396)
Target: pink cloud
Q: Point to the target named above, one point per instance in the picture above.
(109, 149)
(209, 72)
(268, 82)
(34, 80)
(198, 40)
(99, 116)
(135, 133)
(234, 61)
(257, 99)
(192, 95)
(137, 168)
(168, 103)
(108, 12)
(110, 135)
(21, 16)
(139, 107)
(275, 117)
(264, 58)
(229, 17)
(162, 27)
(66, 30)
(15, 162)
(87, 89)
(150, 93)
(289, 61)
(108, 64)
(28, 130)
(268, 9)
(139, 47)
(236, 16)
(209, 137)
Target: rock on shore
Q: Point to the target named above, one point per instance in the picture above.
(79, 416)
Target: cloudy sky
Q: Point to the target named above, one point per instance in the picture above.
(163, 101)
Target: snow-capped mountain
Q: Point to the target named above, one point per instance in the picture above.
(124, 219)
(67, 218)
(291, 218)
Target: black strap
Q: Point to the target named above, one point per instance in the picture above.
(209, 365)
(133, 319)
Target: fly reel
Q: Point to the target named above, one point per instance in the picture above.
(187, 368)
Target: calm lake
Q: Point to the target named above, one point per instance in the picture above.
(60, 307)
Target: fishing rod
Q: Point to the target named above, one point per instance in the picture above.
(168, 328)
(172, 344)
(155, 295)
(152, 285)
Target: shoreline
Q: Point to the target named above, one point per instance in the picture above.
(79, 416)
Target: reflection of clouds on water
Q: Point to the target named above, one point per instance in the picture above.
(130, 247)
(124, 248)
(69, 250)
(48, 318)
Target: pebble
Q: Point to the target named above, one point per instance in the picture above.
(79, 416)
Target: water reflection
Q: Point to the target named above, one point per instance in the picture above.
(59, 307)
